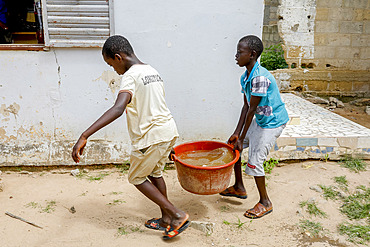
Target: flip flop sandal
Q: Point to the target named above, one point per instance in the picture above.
(154, 224)
(170, 232)
(233, 193)
(258, 211)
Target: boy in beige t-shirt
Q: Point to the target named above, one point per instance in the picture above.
(152, 131)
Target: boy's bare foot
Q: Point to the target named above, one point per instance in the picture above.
(231, 191)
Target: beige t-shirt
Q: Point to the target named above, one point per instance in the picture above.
(149, 120)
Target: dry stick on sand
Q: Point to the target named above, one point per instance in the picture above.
(19, 218)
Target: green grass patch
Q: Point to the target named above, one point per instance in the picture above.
(124, 167)
(226, 222)
(356, 233)
(357, 205)
(225, 208)
(329, 192)
(353, 164)
(342, 182)
(32, 205)
(239, 224)
(116, 193)
(116, 202)
(85, 175)
(84, 194)
(50, 207)
(312, 209)
(313, 228)
(270, 164)
(124, 230)
(99, 177)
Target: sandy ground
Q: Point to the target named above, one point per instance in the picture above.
(105, 206)
(354, 113)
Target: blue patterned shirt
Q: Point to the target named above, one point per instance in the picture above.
(271, 111)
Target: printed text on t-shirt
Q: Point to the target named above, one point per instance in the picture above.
(151, 78)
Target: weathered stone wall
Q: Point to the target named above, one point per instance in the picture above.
(342, 34)
(296, 27)
(327, 41)
(336, 83)
(270, 32)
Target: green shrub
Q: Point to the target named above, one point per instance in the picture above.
(273, 58)
(268, 165)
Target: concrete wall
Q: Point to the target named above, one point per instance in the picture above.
(270, 32)
(296, 27)
(342, 34)
(48, 98)
(327, 41)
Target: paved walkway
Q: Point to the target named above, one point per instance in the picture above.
(314, 132)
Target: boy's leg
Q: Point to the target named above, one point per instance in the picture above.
(238, 176)
(262, 140)
(178, 217)
(261, 186)
(160, 184)
(238, 189)
(150, 163)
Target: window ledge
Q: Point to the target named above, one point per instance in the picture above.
(24, 47)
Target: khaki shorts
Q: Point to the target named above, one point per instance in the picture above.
(149, 161)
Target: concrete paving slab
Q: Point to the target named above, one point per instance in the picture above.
(319, 134)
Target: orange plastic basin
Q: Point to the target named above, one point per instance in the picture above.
(199, 179)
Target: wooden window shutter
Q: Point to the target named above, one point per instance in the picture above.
(77, 23)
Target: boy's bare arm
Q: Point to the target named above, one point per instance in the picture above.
(255, 100)
(235, 136)
(109, 116)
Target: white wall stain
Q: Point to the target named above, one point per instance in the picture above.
(11, 109)
(4, 137)
(112, 79)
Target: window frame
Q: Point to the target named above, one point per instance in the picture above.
(46, 46)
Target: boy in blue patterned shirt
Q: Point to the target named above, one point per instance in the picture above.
(262, 120)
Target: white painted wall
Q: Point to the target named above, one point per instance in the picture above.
(191, 43)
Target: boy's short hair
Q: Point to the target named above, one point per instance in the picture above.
(117, 44)
(254, 43)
